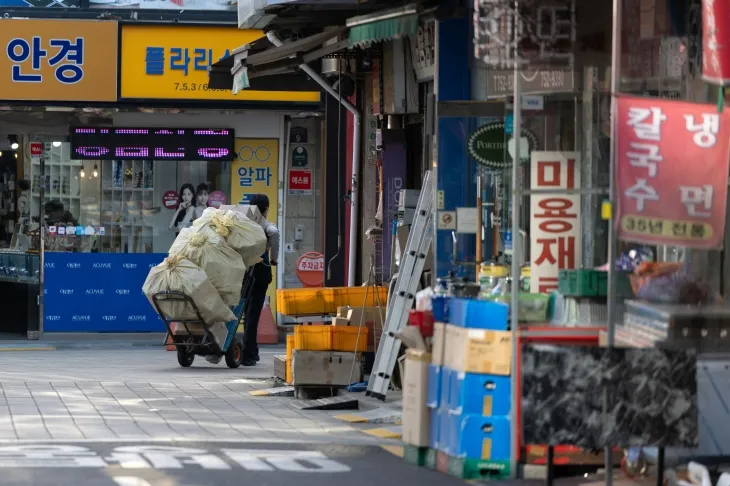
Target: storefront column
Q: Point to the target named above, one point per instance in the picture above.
(454, 171)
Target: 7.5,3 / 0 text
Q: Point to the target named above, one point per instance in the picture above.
(194, 87)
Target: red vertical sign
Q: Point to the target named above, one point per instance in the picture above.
(716, 41)
(672, 172)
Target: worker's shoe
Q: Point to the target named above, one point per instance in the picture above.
(248, 361)
(258, 358)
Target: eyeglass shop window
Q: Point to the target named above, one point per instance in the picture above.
(114, 200)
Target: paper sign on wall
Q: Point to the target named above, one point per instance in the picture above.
(300, 182)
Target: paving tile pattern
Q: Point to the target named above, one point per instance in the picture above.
(135, 394)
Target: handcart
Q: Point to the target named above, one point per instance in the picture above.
(204, 344)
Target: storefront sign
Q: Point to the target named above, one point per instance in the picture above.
(256, 171)
(534, 81)
(716, 42)
(58, 60)
(216, 199)
(134, 143)
(300, 182)
(555, 233)
(299, 157)
(672, 172)
(171, 62)
(487, 146)
(170, 200)
(36, 150)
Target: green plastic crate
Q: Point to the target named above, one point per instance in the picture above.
(478, 468)
(623, 286)
(583, 283)
(532, 307)
(415, 455)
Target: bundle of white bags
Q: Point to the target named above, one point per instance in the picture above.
(207, 262)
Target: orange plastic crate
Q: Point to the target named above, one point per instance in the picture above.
(355, 297)
(302, 302)
(313, 338)
(345, 338)
(289, 346)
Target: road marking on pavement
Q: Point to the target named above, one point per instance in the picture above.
(395, 432)
(142, 439)
(394, 449)
(375, 416)
(21, 348)
(278, 391)
(165, 458)
(130, 481)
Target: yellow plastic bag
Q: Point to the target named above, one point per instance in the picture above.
(181, 275)
(209, 251)
(243, 235)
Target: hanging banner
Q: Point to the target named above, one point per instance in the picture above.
(716, 41)
(672, 172)
(555, 236)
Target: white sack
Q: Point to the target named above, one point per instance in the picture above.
(209, 251)
(178, 274)
(241, 234)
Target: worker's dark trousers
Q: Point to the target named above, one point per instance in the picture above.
(262, 278)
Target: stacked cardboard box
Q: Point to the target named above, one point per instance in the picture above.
(463, 423)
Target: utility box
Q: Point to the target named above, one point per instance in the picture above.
(325, 368)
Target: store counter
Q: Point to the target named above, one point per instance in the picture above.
(19, 288)
(99, 292)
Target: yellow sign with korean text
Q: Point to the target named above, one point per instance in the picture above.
(58, 60)
(255, 170)
(171, 62)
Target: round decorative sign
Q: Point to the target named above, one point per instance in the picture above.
(216, 199)
(310, 269)
(170, 199)
(299, 157)
(487, 146)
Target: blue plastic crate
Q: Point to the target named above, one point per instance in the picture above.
(478, 394)
(433, 395)
(440, 308)
(478, 314)
(444, 419)
(445, 386)
(433, 434)
(478, 437)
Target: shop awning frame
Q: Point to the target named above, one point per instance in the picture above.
(263, 59)
(385, 25)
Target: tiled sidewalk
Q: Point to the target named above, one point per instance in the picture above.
(134, 394)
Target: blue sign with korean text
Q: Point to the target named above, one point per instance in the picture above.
(99, 292)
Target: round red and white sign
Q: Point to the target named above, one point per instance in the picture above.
(170, 199)
(310, 269)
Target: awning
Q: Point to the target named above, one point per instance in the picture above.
(278, 64)
(384, 26)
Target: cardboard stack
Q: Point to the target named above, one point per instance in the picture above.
(457, 398)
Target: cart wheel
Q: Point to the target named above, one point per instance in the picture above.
(234, 355)
(184, 358)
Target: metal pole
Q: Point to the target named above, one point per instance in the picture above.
(612, 243)
(516, 250)
(480, 213)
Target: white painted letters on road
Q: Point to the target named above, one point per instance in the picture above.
(289, 461)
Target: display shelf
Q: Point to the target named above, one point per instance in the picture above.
(61, 181)
(126, 205)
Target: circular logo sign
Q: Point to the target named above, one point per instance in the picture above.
(169, 200)
(216, 199)
(487, 145)
(310, 269)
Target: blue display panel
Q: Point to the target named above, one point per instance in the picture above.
(99, 292)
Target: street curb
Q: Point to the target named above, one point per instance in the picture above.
(15, 348)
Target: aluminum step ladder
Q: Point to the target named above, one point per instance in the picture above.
(401, 301)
